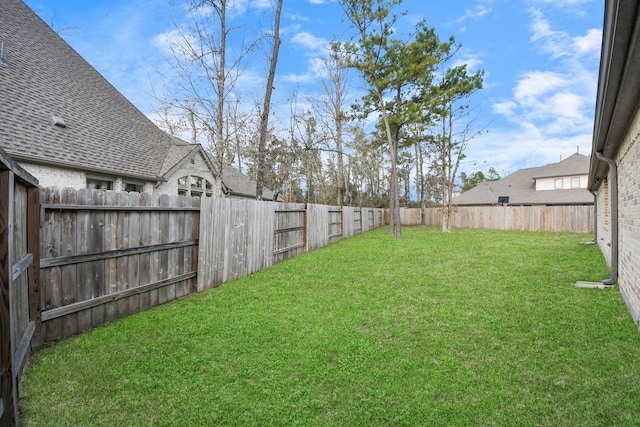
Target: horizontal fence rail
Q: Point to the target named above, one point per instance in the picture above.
(241, 237)
(106, 255)
(565, 219)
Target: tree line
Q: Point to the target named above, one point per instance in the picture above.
(399, 144)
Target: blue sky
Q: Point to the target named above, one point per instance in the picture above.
(540, 58)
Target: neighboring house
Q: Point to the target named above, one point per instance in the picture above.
(69, 127)
(614, 173)
(562, 183)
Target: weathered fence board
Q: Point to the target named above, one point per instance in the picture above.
(106, 255)
(241, 237)
(289, 231)
(237, 238)
(20, 320)
(317, 226)
(567, 219)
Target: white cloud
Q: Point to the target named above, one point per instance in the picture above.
(557, 43)
(305, 77)
(297, 17)
(315, 70)
(164, 41)
(589, 44)
(536, 83)
(553, 103)
(482, 8)
(310, 42)
(505, 108)
(471, 61)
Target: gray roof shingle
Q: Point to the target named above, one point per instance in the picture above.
(576, 164)
(520, 186)
(45, 77)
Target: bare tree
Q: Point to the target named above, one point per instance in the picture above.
(61, 29)
(333, 107)
(266, 107)
(204, 76)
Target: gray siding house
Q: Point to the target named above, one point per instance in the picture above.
(69, 127)
(614, 174)
(562, 183)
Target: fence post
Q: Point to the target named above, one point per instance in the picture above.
(9, 414)
(305, 225)
(33, 247)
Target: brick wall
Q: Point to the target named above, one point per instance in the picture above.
(604, 230)
(628, 161)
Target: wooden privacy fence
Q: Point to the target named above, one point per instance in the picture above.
(564, 219)
(241, 237)
(328, 224)
(19, 286)
(105, 255)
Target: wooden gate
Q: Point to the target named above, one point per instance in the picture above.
(19, 279)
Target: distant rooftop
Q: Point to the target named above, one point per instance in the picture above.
(520, 186)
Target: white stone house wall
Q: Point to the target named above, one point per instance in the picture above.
(53, 176)
(628, 161)
(49, 176)
(196, 166)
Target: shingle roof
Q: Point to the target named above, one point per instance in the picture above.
(576, 164)
(178, 151)
(520, 186)
(45, 77)
(239, 184)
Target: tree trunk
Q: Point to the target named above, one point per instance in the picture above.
(341, 175)
(266, 108)
(221, 77)
(446, 219)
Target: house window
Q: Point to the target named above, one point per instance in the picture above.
(193, 185)
(133, 187)
(99, 184)
(557, 184)
(196, 182)
(575, 182)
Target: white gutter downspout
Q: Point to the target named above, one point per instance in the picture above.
(613, 193)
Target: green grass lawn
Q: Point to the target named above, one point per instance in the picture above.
(476, 328)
